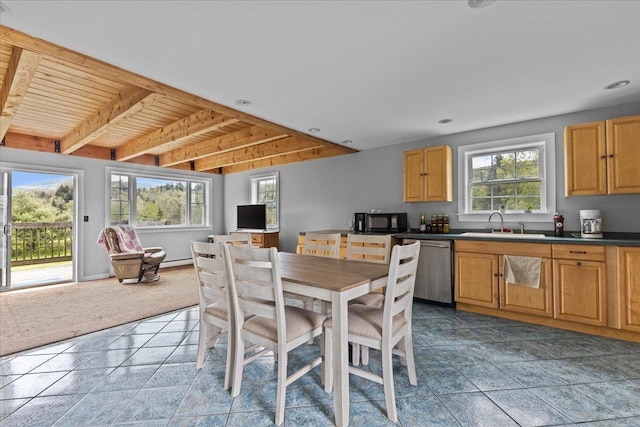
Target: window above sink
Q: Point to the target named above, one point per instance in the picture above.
(516, 176)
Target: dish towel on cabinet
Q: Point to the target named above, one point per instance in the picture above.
(522, 270)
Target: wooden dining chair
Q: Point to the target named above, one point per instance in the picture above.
(370, 248)
(261, 318)
(234, 239)
(214, 301)
(387, 329)
(322, 244)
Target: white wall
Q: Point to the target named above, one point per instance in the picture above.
(93, 261)
(323, 194)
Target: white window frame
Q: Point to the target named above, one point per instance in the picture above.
(545, 142)
(254, 181)
(171, 177)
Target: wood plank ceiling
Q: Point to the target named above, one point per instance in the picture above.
(57, 100)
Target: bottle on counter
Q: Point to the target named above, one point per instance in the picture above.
(445, 224)
(423, 224)
(434, 223)
(558, 225)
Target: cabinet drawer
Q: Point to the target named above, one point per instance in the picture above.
(542, 250)
(579, 252)
(257, 239)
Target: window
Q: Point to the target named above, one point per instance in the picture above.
(516, 176)
(153, 201)
(264, 190)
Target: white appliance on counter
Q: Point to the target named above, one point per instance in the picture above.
(591, 224)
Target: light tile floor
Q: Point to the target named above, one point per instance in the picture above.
(473, 370)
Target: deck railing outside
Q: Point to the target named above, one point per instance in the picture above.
(40, 242)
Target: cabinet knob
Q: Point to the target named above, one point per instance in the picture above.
(603, 157)
(611, 156)
(578, 263)
(495, 275)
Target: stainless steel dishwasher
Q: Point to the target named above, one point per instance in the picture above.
(434, 280)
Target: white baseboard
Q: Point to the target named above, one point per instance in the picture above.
(176, 263)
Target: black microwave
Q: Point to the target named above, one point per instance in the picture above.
(380, 222)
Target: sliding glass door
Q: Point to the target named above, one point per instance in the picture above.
(37, 209)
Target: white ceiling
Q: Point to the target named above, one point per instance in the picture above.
(375, 72)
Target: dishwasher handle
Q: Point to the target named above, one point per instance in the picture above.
(430, 243)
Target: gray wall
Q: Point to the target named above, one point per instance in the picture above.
(93, 261)
(323, 194)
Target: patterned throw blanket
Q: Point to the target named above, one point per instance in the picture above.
(127, 239)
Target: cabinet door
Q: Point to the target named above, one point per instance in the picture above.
(629, 276)
(413, 176)
(477, 279)
(623, 155)
(438, 174)
(523, 299)
(585, 160)
(579, 291)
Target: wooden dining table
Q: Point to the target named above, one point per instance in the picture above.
(336, 281)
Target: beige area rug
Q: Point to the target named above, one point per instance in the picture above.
(33, 317)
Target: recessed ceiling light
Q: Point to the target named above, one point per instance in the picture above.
(445, 121)
(347, 141)
(243, 102)
(314, 130)
(616, 85)
(477, 4)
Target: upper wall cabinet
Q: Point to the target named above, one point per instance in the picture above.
(428, 175)
(602, 157)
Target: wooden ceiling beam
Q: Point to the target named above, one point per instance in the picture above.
(195, 124)
(22, 67)
(127, 104)
(301, 156)
(256, 152)
(17, 38)
(232, 141)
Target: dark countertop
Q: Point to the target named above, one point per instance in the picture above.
(609, 239)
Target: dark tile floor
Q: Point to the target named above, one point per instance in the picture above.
(473, 370)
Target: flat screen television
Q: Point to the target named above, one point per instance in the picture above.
(252, 217)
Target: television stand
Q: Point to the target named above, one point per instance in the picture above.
(263, 239)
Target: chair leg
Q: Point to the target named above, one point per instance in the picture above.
(364, 355)
(238, 366)
(355, 354)
(202, 343)
(387, 379)
(327, 366)
(230, 363)
(411, 364)
(282, 388)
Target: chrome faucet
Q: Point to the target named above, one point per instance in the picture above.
(501, 219)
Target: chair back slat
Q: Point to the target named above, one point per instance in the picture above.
(400, 283)
(256, 285)
(242, 239)
(211, 273)
(322, 244)
(366, 247)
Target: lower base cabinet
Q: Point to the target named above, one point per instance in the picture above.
(479, 278)
(629, 277)
(580, 291)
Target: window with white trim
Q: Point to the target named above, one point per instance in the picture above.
(157, 201)
(264, 190)
(515, 176)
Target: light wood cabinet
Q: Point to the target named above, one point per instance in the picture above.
(602, 157)
(479, 278)
(629, 277)
(428, 175)
(579, 273)
(264, 239)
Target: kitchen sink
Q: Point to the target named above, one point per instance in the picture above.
(502, 235)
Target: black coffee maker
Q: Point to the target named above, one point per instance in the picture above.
(359, 222)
